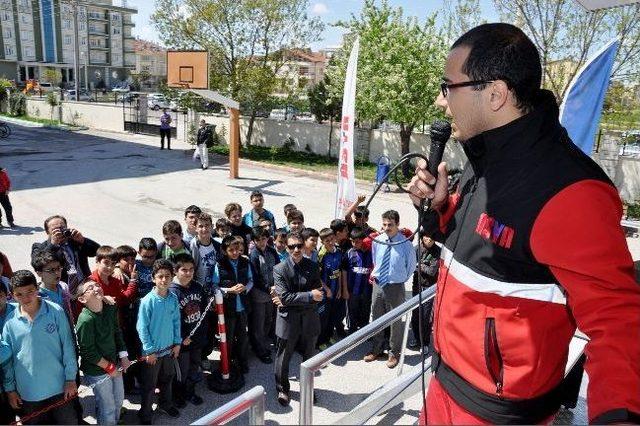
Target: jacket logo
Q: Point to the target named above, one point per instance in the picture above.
(490, 229)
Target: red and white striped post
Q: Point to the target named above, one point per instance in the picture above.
(222, 332)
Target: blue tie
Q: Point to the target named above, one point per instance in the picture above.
(383, 273)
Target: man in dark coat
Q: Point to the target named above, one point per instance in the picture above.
(298, 289)
(77, 249)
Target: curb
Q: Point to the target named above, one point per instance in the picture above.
(27, 123)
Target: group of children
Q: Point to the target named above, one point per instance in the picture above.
(145, 314)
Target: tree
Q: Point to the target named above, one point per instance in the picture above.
(399, 69)
(245, 39)
(461, 17)
(567, 36)
(53, 102)
(324, 106)
(52, 75)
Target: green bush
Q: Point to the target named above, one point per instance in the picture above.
(633, 210)
(17, 104)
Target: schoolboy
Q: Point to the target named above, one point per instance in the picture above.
(205, 251)
(295, 221)
(5, 188)
(192, 301)
(310, 238)
(251, 219)
(106, 260)
(191, 214)
(148, 253)
(358, 265)
(223, 228)
(233, 211)
(357, 215)
(48, 264)
(263, 258)
(102, 351)
(233, 276)
(159, 330)
(341, 231)
(280, 244)
(287, 208)
(172, 243)
(332, 316)
(7, 414)
(38, 334)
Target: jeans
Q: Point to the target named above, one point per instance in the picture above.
(203, 153)
(109, 397)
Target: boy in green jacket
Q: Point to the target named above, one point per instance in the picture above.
(101, 350)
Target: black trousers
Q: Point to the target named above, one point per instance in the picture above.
(427, 322)
(6, 205)
(7, 415)
(286, 348)
(237, 338)
(331, 318)
(260, 326)
(359, 311)
(63, 415)
(159, 375)
(165, 133)
(189, 361)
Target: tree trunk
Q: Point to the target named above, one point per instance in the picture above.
(405, 138)
(252, 120)
(330, 136)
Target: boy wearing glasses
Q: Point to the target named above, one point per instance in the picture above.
(298, 288)
(48, 264)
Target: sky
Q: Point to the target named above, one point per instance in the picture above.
(330, 11)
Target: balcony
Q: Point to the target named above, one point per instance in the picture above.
(98, 32)
(99, 47)
(97, 16)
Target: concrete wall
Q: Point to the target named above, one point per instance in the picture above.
(94, 115)
(627, 179)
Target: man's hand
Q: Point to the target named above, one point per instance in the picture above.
(14, 400)
(125, 363)
(421, 185)
(109, 300)
(186, 341)
(238, 288)
(56, 237)
(276, 301)
(317, 295)
(70, 389)
(151, 359)
(175, 351)
(345, 294)
(134, 273)
(77, 236)
(118, 274)
(361, 199)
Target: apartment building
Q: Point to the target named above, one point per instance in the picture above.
(40, 34)
(151, 58)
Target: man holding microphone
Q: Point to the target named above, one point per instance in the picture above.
(532, 249)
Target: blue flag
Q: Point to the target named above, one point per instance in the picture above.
(582, 105)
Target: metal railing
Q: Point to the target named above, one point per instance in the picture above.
(252, 401)
(310, 366)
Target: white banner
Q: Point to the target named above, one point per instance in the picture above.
(346, 193)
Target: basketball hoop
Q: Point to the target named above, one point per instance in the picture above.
(188, 69)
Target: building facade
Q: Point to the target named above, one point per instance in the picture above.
(37, 35)
(301, 69)
(151, 59)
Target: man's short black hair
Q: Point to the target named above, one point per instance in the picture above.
(256, 193)
(122, 252)
(148, 243)
(182, 259)
(192, 209)
(338, 225)
(392, 215)
(23, 278)
(502, 51)
(259, 232)
(280, 232)
(162, 264)
(307, 233)
(357, 233)
(362, 211)
(41, 258)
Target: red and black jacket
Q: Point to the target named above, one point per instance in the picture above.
(533, 247)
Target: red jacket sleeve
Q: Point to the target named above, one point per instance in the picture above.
(5, 182)
(578, 235)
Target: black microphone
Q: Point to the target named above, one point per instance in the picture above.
(440, 132)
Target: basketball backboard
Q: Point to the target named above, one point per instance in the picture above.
(188, 69)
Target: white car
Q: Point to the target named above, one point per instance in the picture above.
(71, 95)
(156, 102)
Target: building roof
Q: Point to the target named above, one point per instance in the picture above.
(140, 45)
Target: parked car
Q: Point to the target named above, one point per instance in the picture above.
(121, 89)
(157, 101)
(84, 95)
(47, 87)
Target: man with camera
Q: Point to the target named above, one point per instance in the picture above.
(76, 249)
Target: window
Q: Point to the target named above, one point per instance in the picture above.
(146, 68)
(7, 33)
(115, 58)
(94, 43)
(6, 16)
(83, 41)
(26, 35)
(25, 19)
(29, 52)
(66, 24)
(115, 17)
(8, 50)
(25, 3)
(115, 30)
(67, 40)
(83, 25)
(144, 57)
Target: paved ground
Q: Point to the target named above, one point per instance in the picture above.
(118, 188)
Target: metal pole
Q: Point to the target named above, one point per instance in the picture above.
(252, 401)
(256, 413)
(76, 49)
(405, 336)
(306, 395)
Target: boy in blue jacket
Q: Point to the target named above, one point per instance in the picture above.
(159, 329)
(38, 334)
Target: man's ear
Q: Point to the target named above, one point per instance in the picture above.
(499, 94)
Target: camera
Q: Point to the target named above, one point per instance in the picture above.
(66, 232)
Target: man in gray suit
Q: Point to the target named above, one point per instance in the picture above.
(298, 289)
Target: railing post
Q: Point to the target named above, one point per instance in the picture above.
(405, 337)
(256, 413)
(306, 396)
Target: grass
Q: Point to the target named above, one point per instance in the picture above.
(621, 120)
(298, 159)
(44, 121)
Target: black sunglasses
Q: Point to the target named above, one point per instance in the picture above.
(295, 246)
(445, 87)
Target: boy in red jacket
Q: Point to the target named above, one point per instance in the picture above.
(5, 187)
